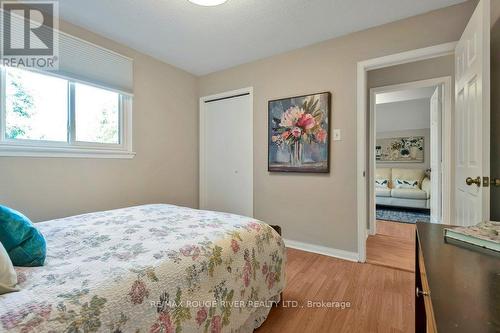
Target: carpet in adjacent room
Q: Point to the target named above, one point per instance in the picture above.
(402, 215)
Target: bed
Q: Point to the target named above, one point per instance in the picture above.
(153, 268)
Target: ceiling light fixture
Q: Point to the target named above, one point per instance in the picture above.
(208, 2)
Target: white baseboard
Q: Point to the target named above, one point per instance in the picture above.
(319, 249)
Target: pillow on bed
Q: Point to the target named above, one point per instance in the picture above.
(8, 276)
(23, 242)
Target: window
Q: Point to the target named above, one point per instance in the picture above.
(96, 115)
(48, 115)
(35, 106)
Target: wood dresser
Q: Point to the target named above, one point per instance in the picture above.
(457, 287)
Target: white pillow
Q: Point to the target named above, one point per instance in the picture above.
(382, 183)
(8, 276)
(408, 184)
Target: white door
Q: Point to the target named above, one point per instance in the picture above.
(472, 129)
(436, 156)
(226, 155)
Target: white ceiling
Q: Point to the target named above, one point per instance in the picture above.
(207, 39)
(405, 95)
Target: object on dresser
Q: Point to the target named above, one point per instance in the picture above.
(485, 235)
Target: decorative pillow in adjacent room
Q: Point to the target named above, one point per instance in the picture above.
(408, 184)
(8, 276)
(382, 183)
(21, 239)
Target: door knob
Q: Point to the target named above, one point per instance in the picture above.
(469, 181)
(495, 182)
(419, 292)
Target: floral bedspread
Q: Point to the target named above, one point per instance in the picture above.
(154, 268)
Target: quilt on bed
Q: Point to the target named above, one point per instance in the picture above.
(154, 268)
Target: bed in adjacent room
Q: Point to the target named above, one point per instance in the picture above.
(154, 268)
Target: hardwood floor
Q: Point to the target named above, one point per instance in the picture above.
(381, 298)
(400, 230)
(392, 246)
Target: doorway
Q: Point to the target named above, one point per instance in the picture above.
(409, 125)
(471, 129)
(226, 166)
(410, 133)
(363, 139)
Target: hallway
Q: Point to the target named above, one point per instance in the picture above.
(393, 246)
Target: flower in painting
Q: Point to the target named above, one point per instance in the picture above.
(163, 324)
(291, 116)
(138, 292)
(296, 132)
(235, 246)
(201, 316)
(306, 122)
(278, 140)
(299, 126)
(321, 136)
(216, 326)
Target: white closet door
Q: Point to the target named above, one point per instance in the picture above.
(227, 155)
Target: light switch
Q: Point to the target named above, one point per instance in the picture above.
(337, 135)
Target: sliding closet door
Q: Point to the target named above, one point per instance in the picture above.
(226, 156)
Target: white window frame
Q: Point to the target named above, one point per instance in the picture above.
(71, 148)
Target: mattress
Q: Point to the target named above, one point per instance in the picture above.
(153, 268)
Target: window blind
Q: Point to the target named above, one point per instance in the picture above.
(88, 62)
(83, 61)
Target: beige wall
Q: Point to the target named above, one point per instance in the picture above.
(405, 119)
(321, 209)
(165, 169)
(415, 71)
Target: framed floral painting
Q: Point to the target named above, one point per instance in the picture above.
(299, 134)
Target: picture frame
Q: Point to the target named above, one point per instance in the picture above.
(299, 133)
(410, 149)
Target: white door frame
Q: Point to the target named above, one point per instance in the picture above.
(447, 140)
(362, 124)
(437, 154)
(202, 162)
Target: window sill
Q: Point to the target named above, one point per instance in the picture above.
(65, 152)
